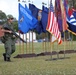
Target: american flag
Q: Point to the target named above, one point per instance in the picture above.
(52, 25)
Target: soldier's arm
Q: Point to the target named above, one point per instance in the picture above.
(8, 31)
(5, 30)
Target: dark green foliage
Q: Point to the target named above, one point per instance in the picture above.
(2, 16)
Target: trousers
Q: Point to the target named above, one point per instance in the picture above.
(9, 46)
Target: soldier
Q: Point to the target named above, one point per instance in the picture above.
(8, 39)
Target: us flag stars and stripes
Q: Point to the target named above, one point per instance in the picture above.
(52, 25)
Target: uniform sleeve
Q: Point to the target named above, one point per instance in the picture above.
(5, 26)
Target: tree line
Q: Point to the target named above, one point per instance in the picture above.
(3, 19)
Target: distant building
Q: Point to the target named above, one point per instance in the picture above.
(29, 37)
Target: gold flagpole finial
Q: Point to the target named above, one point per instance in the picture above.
(32, 2)
(18, 0)
(29, 1)
(24, 1)
(44, 3)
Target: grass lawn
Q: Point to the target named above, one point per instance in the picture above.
(41, 65)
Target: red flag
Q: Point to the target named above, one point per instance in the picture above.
(52, 25)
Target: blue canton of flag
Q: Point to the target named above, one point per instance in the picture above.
(51, 8)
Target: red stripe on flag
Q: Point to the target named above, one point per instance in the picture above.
(52, 26)
(48, 20)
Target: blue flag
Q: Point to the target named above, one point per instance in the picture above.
(72, 24)
(45, 9)
(42, 23)
(34, 10)
(44, 18)
(36, 14)
(22, 25)
(32, 22)
(26, 21)
(39, 27)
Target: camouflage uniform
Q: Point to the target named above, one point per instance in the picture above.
(9, 43)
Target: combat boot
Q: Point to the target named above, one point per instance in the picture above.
(8, 59)
(4, 55)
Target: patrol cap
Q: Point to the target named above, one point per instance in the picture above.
(10, 17)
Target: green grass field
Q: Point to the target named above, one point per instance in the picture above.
(42, 65)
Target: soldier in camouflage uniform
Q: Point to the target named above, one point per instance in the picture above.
(9, 39)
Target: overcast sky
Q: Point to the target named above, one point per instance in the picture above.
(11, 6)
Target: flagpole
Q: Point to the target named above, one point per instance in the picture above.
(57, 44)
(29, 42)
(69, 41)
(72, 42)
(32, 34)
(43, 45)
(24, 1)
(19, 44)
(51, 45)
(32, 43)
(26, 44)
(48, 32)
(45, 32)
(26, 41)
(51, 35)
(69, 46)
(22, 45)
(32, 39)
(64, 44)
(29, 33)
(63, 23)
(48, 47)
(19, 40)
